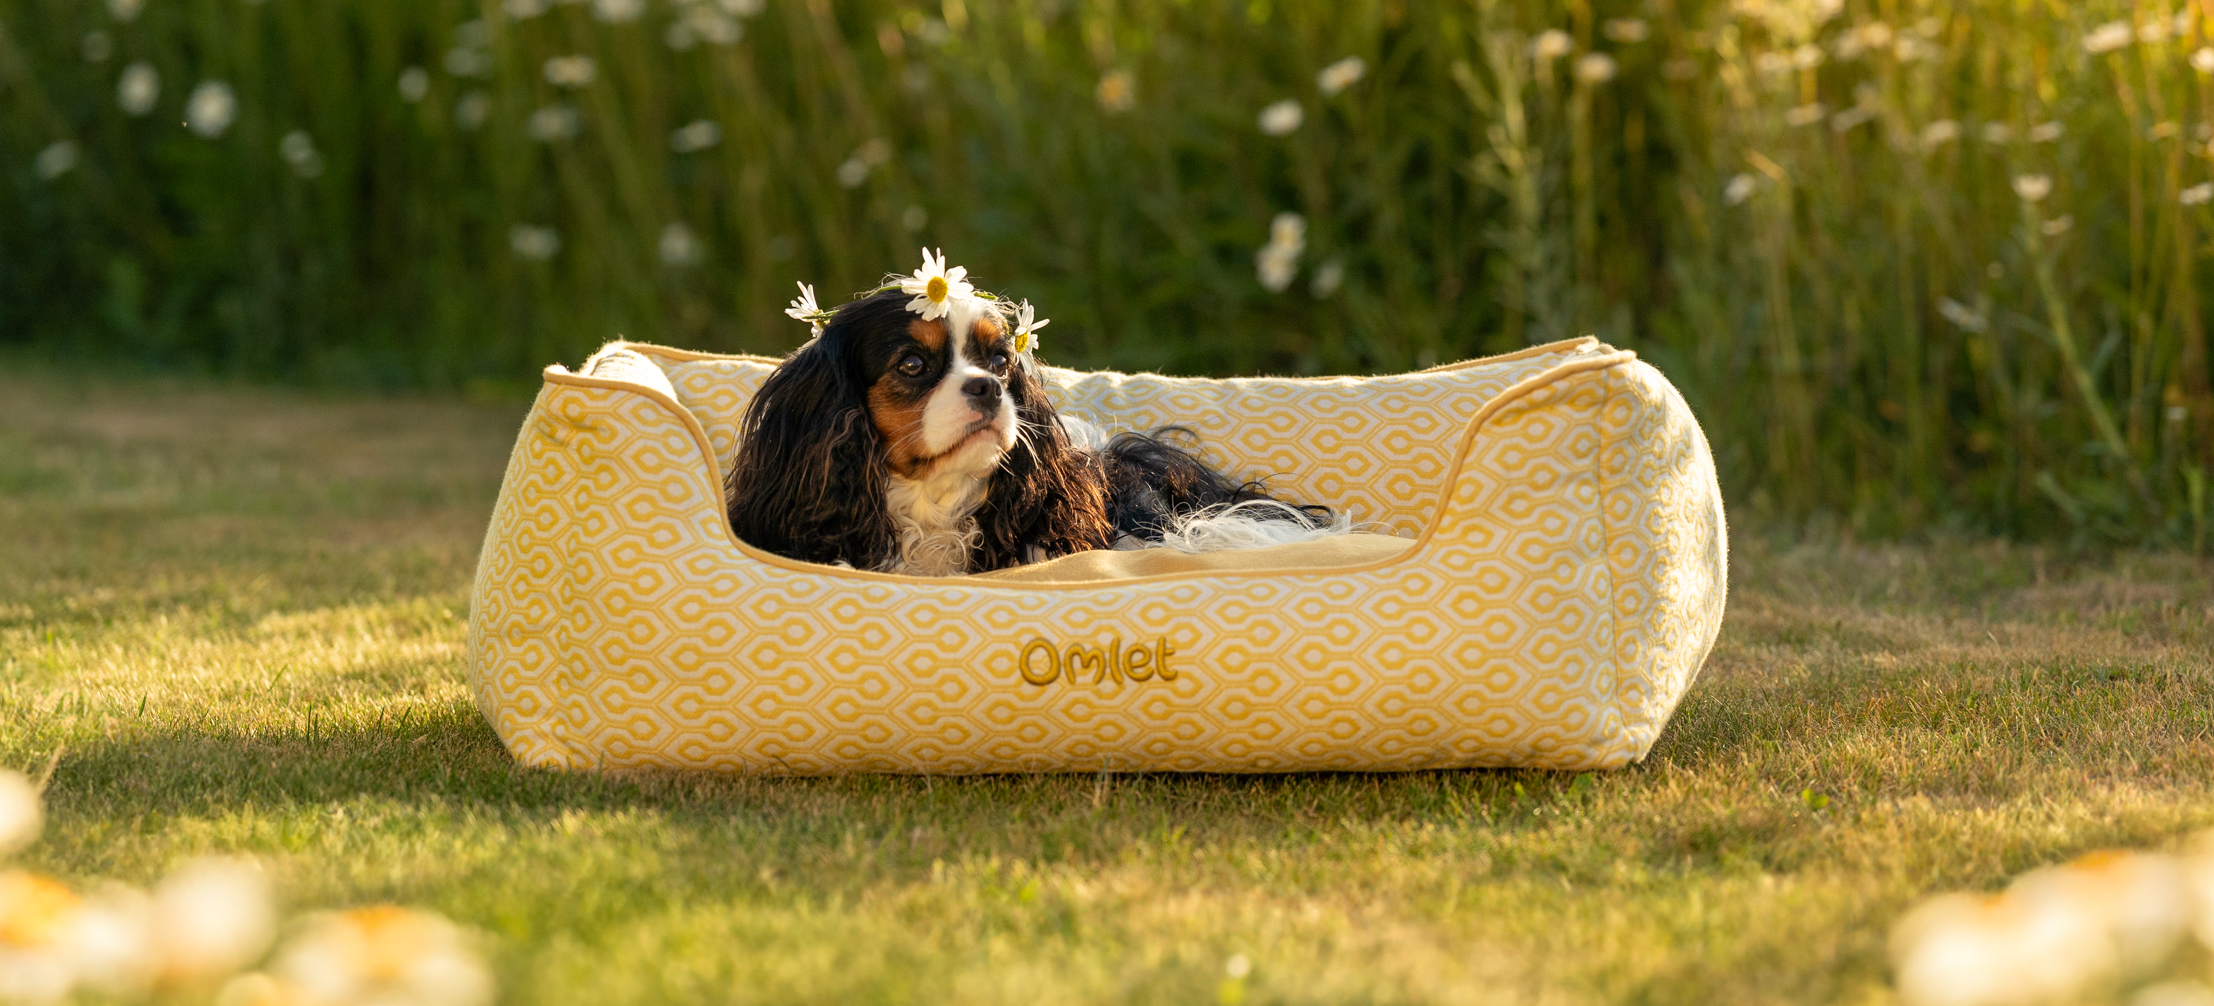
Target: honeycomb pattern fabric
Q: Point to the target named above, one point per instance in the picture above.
(1567, 583)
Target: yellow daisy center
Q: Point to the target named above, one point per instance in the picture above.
(936, 290)
(32, 909)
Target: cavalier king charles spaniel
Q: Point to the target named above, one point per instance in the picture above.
(913, 435)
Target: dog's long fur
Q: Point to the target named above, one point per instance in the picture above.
(816, 477)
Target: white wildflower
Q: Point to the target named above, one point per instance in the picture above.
(1627, 29)
(2046, 132)
(22, 816)
(2197, 195)
(471, 109)
(298, 150)
(1806, 115)
(1276, 266)
(138, 88)
(1328, 278)
(1117, 91)
(2153, 32)
(1960, 314)
(1939, 133)
(1282, 118)
(1342, 74)
(125, 10)
(1998, 134)
(695, 136)
(473, 34)
(852, 172)
(1806, 57)
(553, 123)
(571, 71)
(1595, 68)
(2057, 226)
(1740, 188)
(54, 161)
(1288, 230)
(1026, 328)
(618, 11)
(2033, 188)
(703, 23)
(935, 288)
(382, 954)
(1848, 119)
(523, 10)
(96, 47)
(2108, 37)
(534, 243)
(36, 916)
(1772, 64)
(1237, 966)
(803, 308)
(743, 8)
(415, 82)
(678, 246)
(2203, 60)
(2140, 901)
(462, 61)
(212, 917)
(1551, 44)
(211, 108)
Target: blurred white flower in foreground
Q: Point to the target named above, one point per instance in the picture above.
(383, 955)
(1342, 74)
(138, 88)
(678, 247)
(2108, 37)
(1740, 188)
(552, 123)
(21, 815)
(125, 10)
(617, 11)
(472, 109)
(1551, 44)
(1116, 92)
(1238, 966)
(571, 71)
(2198, 195)
(1627, 29)
(534, 243)
(2173, 994)
(36, 959)
(1595, 68)
(211, 108)
(1278, 261)
(1281, 118)
(415, 82)
(210, 918)
(2203, 60)
(298, 149)
(2033, 188)
(695, 136)
(53, 162)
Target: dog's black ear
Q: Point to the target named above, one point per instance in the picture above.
(809, 479)
(1047, 495)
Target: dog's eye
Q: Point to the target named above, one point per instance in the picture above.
(911, 365)
(998, 360)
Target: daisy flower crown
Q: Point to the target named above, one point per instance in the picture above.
(936, 290)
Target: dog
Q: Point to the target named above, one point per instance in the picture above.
(913, 435)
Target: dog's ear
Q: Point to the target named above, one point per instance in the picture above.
(809, 479)
(1047, 494)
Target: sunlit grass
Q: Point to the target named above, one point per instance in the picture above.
(238, 615)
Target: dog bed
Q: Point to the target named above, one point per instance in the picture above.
(1546, 578)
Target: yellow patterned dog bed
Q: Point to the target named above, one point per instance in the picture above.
(1563, 583)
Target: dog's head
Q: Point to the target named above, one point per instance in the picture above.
(884, 393)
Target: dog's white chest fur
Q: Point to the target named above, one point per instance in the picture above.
(936, 522)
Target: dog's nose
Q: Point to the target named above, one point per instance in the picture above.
(983, 392)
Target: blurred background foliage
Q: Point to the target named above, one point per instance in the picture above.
(1913, 262)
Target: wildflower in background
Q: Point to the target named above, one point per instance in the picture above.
(1026, 328)
(2162, 130)
(210, 918)
(125, 10)
(298, 149)
(534, 243)
(414, 84)
(1846, 120)
(2046, 132)
(553, 123)
(1237, 967)
(211, 108)
(97, 47)
(1340, 75)
(1626, 29)
(699, 21)
(473, 34)
(1806, 57)
(463, 61)
(138, 88)
(1740, 188)
(2033, 188)
(1551, 44)
(2203, 60)
(2057, 226)
(22, 816)
(571, 71)
(1998, 134)
(865, 158)
(935, 288)
(383, 954)
(1595, 68)
(1939, 133)
(1116, 91)
(1962, 315)
(53, 162)
(523, 10)
(1328, 278)
(1282, 118)
(1278, 261)
(2153, 32)
(472, 109)
(618, 11)
(695, 136)
(2197, 195)
(2108, 37)
(1806, 115)
(678, 247)
(1772, 64)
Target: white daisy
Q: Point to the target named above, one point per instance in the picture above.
(1026, 330)
(935, 287)
(803, 309)
(21, 816)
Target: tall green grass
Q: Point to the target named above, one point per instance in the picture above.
(1806, 213)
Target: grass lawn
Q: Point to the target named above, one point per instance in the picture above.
(238, 615)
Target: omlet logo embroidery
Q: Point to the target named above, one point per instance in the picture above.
(1042, 663)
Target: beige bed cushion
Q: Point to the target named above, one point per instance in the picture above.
(1320, 555)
